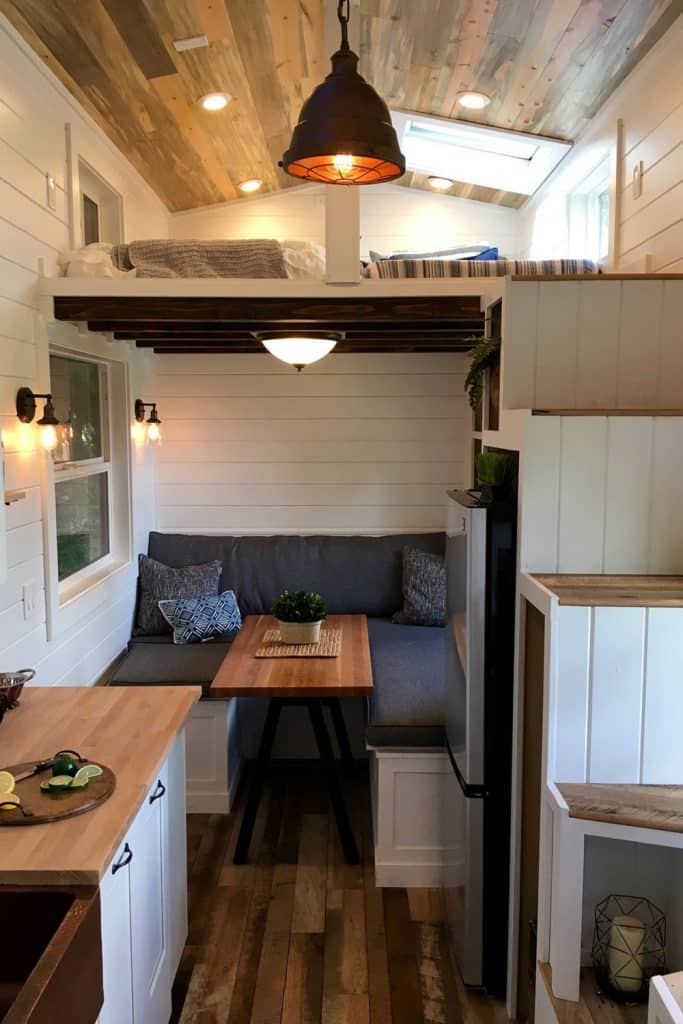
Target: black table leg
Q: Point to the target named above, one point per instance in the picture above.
(327, 757)
(340, 729)
(258, 778)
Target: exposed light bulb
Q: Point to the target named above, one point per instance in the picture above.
(343, 162)
(137, 433)
(473, 100)
(48, 437)
(153, 433)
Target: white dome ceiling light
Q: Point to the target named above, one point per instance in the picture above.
(301, 349)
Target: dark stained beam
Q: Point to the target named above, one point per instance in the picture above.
(231, 310)
(136, 328)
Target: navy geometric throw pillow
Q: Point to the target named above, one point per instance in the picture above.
(196, 619)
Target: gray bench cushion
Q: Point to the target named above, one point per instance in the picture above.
(168, 664)
(407, 708)
(354, 574)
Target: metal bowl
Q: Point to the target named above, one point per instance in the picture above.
(12, 683)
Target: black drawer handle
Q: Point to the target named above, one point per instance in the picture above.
(158, 792)
(125, 858)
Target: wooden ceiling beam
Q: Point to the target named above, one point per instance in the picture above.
(418, 343)
(127, 330)
(235, 310)
(162, 337)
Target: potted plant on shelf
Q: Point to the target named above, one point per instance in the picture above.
(300, 614)
(494, 474)
(484, 356)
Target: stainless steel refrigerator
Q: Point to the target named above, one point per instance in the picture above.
(481, 573)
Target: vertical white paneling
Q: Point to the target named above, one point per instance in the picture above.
(628, 499)
(597, 346)
(639, 344)
(670, 388)
(572, 693)
(616, 694)
(556, 345)
(342, 235)
(540, 494)
(582, 494)
(666, 535)
(662, 755)
(520, 328)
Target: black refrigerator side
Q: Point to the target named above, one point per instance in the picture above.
(501, 577)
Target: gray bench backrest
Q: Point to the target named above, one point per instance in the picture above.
(354, 574)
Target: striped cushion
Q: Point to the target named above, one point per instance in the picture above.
(478, 268)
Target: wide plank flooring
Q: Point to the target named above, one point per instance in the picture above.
(299, 937)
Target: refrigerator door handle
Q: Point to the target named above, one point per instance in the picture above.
(470, 791)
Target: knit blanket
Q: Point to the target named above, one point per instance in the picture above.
(159, 257)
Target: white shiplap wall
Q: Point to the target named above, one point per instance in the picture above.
(391, 218)
(356, 443)
(650, 227)
(602, 494)
(34, 109)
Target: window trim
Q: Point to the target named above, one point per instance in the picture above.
(63, 597)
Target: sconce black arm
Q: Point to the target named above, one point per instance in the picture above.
(26, 407)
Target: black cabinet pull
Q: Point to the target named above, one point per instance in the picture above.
(125, 858)
(158, 792)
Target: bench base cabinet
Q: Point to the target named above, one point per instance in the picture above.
(418, 819)
(144, 904)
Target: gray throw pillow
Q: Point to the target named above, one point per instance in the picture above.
(424, 589)
(159, 582)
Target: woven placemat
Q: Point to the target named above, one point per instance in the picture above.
(273, 647)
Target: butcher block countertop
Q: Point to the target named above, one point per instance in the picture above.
(659, 807)
(129, 729)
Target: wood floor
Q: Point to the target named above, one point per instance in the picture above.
(299, 937)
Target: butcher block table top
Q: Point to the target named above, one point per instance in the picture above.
(659, 807)
(244, 675)
(130, 729)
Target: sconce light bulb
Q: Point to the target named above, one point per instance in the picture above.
(153, 433)
(48, 437)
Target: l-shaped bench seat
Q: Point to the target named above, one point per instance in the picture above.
(356, 575)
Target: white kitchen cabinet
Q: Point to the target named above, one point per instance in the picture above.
(144, 904)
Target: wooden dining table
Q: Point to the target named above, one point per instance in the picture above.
(311, 682)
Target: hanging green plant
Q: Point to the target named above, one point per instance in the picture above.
(485, 354)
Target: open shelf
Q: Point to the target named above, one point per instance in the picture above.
(622, 591)
(592, 1006)
(607, 412)
(659, 807)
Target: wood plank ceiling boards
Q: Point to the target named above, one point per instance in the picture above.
(548, 65)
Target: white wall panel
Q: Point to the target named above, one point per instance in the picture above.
(582, 494)
(34, 109)
(628, 497)
(661, 754)
(355, 443)
(666, 482)
(571, 715)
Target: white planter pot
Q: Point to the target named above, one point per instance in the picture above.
(300, 632)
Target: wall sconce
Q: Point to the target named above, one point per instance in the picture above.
(48, 422)
(153, 423)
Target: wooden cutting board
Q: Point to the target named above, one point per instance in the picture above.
(48, 807)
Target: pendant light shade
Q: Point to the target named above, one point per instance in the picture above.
(344, 135)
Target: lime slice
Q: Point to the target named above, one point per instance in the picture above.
(6, 783)
(60, 782)
(9, 801)
(79, 783)
(91, 771)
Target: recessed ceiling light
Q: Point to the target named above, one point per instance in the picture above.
(215, 100)
(250, 185)
(440, 184)
(473, 100)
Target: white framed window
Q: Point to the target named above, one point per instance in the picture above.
(589, 215)
(88, 520)
(101, 207)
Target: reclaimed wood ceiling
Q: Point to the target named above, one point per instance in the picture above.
(547, 64)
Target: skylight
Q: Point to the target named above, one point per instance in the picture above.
(477, 154)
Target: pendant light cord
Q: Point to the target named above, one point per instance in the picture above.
(343, 13)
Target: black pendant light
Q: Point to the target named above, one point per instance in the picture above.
(344, 135)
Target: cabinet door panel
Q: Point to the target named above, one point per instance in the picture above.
(149, 907)
(116, 942)
(177, 854)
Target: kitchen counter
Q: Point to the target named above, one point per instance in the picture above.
(131, 730)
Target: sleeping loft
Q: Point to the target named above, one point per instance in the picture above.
(341, 552)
